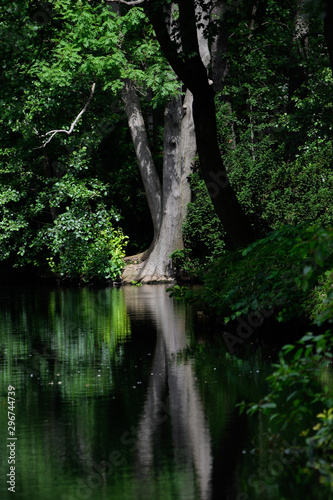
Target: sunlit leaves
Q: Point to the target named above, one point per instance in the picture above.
(84, 245)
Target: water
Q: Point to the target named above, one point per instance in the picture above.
(106, 407)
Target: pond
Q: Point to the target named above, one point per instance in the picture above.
(120, 395)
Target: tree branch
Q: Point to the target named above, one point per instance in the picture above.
(52, 133)
(156, 15)
(187, 63)
(131, 2)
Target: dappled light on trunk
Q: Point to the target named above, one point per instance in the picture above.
(167, 200)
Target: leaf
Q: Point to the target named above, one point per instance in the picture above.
(287, 348)
(298, 354)
(268, 405)
(291, 395)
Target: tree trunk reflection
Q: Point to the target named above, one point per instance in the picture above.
(172, 399)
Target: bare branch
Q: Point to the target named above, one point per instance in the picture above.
(130, 2)
(52, 133)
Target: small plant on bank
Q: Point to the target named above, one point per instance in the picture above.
(183, 293)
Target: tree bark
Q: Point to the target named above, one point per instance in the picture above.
(214, 173)
(148, 171)
(167, 200)
(179, 152)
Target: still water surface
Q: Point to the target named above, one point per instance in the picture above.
(107, 407)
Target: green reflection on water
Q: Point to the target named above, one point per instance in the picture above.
(59, 349)
(63, 338)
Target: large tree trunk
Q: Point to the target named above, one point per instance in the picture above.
(169, 208)
(179, 151)
(214, 173)
(148, 172)
(190, 68)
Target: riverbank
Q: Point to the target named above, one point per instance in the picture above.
(286, 276)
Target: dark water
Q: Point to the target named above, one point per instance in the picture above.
(106, 407)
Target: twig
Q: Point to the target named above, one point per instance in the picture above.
(52, 133)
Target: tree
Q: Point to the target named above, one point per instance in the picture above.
(113, 56)
(93, 63)
(182, 50)
(52, 214)
(167, 197)
(167, 200)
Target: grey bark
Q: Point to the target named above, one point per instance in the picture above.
(179, 152)
(148, 172)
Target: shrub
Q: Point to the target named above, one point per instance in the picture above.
(84, 245)
(283, 271)
(283, 191)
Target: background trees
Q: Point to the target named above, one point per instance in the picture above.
(271, 125)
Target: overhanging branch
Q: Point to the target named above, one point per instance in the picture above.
(52, 133)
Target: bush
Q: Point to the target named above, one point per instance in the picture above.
(283, 272)
(84, 245)
(283, 191)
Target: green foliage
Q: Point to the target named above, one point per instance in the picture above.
(84, 245)
(59, 219)
(279, 274)
(116, 163)
(135, 283)
(50, 189)
(284, 192)
(275, 115)
(183, 293)
(300, 386)
(321, 299)
(274, 118)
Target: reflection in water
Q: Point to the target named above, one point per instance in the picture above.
(107, 410)
(190, 434)
(80, 361)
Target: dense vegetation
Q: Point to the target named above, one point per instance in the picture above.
(71, 196)
(274, 116)
(76, 187)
